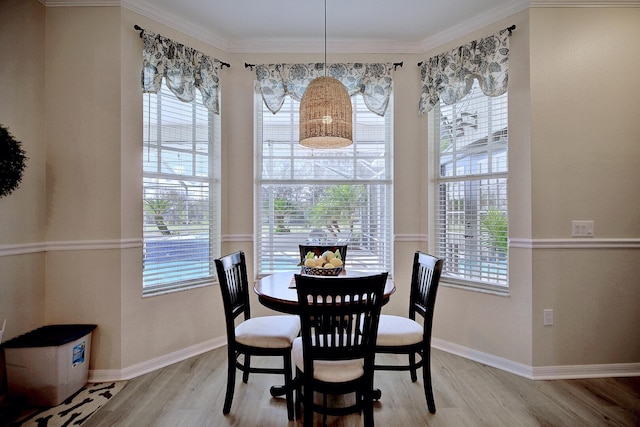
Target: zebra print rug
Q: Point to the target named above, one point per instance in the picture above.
(76, 409)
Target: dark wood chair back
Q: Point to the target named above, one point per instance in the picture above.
(339, 316)
(249, 337)
(424, 287)
(234, 286)
(339, 322)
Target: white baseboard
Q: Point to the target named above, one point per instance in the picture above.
(540, 372)
(484, 358)
(532, 373)
(103, 375)
(586, 371)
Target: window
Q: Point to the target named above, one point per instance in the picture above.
(471, 221)
(326, 196)
(180, 193)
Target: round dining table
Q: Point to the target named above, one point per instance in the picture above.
(278, 292)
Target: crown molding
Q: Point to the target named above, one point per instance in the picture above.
(149, 10)
(70, 3)
(152, 12)
(336, 46)
(471, 25)
(585, 3)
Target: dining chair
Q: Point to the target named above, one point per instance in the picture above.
(404, 335)
(335, 353)
(320, 249)
(259, 336)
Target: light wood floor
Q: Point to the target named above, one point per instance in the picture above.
(191, 394)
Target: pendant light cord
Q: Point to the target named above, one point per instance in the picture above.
(325, 38)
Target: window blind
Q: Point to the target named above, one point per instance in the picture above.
(180, 193)
(323, 196)
(471, 199)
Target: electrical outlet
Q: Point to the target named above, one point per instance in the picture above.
(581, 228)
(548, 317)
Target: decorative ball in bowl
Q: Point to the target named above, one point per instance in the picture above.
(326, 264)
(321, 271)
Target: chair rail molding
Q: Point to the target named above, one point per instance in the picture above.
(576, 243)
(237, 238)
(71, 245)
(411, 238)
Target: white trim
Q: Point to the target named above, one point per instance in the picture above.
(540, 372)
(237, 238)
(336, 46)
(22, 248)
(532, 373)
(585, 3)
(149, 10)
(79, 245)
(586, 371)
(476, 23)
(410, 238)
(156, 14)
(72, 245)
(138, 369)
(484, 358)
(576, 243)
(72, 3)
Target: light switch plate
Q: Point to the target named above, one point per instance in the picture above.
(581, 228)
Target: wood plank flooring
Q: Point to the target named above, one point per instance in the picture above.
(191, 394)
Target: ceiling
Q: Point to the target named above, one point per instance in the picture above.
(364, 26)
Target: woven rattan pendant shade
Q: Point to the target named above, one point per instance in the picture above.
(326, 115)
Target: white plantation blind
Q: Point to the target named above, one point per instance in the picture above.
(471, 199)
(324, 196)
(180, 193)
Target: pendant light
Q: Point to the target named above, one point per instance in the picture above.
(325, 110)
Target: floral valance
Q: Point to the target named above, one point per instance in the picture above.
(373, 81)
(183, 68)
(448, 77)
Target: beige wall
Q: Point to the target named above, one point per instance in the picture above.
(23, 212)
(585, 149)
(89, 124)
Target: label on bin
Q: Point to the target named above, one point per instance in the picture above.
(78, 354)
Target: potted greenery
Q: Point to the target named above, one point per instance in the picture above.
(12, 162)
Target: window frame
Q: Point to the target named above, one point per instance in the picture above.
(210, 180)
(292, 108)
(436, 245)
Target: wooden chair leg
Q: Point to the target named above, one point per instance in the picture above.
(308, 408)
(414, 371)
(298, 395)
(231, 381)
(288, 385)
(247, 366)
(426, 379)
(367, 407)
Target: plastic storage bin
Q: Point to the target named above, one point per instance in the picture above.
(48, 364)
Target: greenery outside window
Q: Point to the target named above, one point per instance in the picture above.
(471, 222)
(324, 196)
(180, 193)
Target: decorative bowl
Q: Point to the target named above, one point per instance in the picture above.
(318, 271)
